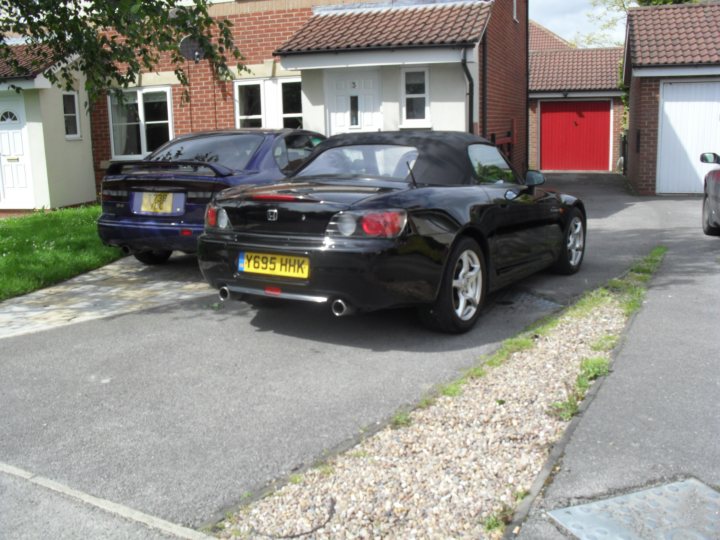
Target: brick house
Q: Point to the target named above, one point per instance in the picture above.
(575, 105)
(45, 149)
(672, 66)
(333, 66)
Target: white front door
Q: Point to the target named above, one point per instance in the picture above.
(353, 101)
(689, 126)
(15, 181)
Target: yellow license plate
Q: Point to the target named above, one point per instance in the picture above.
(157, 203)
(274, 265)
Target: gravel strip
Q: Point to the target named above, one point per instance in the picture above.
(459, 462)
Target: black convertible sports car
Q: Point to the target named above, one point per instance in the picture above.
(379, 220)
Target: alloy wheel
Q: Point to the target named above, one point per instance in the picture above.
(467, 285)
(575, 241)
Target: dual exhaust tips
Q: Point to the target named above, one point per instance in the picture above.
(338, 306)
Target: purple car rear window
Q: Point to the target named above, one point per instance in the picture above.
(231, 151)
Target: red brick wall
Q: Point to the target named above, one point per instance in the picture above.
(533, 135)
(507, 73)
(617, 129)
(643, 134)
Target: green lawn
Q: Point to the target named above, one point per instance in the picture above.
(43, 248)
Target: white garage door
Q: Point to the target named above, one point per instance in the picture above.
(689, 126)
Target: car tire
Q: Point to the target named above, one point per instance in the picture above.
(708, 228)
(155, 256)
(462, 291)
(572, 250)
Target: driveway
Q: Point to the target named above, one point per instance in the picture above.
(181, 409)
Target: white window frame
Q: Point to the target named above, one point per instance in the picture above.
(283, 114)
(272, 114)
(78, 134)
(415, 122)
(141, 115)
(262, 116)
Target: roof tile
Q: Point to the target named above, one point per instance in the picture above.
(684, 34)
(572, 70)
(378, 28)
(31, 59)
(542, 39)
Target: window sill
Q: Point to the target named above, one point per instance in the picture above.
(73, 138)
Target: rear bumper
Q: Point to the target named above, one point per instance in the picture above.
(140, 235)
(366, 274)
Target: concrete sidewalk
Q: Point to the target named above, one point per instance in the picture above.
(655, 418)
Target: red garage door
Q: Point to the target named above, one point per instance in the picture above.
(575, 135)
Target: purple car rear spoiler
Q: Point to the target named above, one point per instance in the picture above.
(119, 167)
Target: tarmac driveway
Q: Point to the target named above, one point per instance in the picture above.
(179, 409)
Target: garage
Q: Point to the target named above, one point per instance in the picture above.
(575, 135)
(689, 126)
(674, 100)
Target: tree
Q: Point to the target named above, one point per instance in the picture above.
(112, 41)
(607, 15)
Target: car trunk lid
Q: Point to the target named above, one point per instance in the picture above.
(298, 208)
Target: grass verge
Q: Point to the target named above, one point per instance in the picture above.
(44, 248)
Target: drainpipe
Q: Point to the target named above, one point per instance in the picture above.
(485, 86)
(471, 91)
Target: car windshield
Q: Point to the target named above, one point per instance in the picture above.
(231, 151)
(386, 160)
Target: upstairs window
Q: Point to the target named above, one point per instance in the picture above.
(71, 116)
(141, 123)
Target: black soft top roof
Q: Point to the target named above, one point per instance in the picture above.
(442, 155)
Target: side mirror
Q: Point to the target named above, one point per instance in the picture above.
(534, 178)
(710, 157)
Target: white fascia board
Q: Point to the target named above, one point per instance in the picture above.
(682, 71)
(393, 57)
(38, 83)
(574, 95)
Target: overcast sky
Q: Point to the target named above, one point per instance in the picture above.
(567, 17)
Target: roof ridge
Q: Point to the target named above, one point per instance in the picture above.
(673, 6)
(395, 5)
(578, 49)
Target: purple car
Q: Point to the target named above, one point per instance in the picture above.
(155, 206)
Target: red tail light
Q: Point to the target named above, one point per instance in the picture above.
(368, 224)
(211, 216)
(383, 224)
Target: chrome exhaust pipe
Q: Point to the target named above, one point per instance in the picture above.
(224, 294)
(339, 308)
